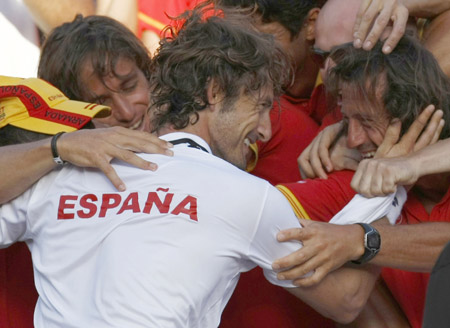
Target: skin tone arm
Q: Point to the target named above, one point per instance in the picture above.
(327, 246)
(48, 14)
(381, 176)
(150, 40)
(341, 295)
(125, 11)
(87, 148)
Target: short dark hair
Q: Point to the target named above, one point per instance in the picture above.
(290, 14)
(410, 77)
(212, 44)
(100, 39)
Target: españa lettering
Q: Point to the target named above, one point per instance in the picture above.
(88, 206)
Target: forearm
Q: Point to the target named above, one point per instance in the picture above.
(432, 159)
(49, 14)
(413, 247)
(22, 165)
(125, 11)
(426, 8)
(342, 294)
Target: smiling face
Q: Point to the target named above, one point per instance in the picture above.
(234, 128)
(366, 122)
(126, 92)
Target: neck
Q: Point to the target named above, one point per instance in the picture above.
(199, 129)
(304, 80)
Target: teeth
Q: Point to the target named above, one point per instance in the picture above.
(368, 155)
(247, 142)
(136, 125)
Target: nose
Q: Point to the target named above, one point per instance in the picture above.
(122, 109)
(356, 135)
(265, 127)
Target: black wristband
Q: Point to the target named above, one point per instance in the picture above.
(55, 154)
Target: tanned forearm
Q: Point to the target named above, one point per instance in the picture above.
(342, 294)
(48, 13)
(125, 11)
(411, 247)
(432, 159)
(22, 165)
(426, 8)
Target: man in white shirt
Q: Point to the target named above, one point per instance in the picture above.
(168, 251)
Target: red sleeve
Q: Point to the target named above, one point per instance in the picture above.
(292, 131)
(319, 199)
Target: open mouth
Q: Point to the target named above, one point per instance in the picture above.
(136, 125)
(367, 155)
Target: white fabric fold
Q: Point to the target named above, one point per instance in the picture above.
(368, 210)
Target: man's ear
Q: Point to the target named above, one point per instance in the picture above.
(214, 93)
(310, 23)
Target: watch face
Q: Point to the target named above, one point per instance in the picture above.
(373, 240)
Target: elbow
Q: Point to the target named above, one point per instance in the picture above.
(348, 310)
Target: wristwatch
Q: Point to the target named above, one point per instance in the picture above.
(372, 243)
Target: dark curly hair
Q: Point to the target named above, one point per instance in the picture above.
(410, 79)
(211, 44)
(100, 39)
(290, 14)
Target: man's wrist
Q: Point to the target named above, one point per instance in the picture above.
(358, 246)
(371, 242)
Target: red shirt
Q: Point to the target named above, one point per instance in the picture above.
(18, 296)
(321, 199)
(292, 131)
(154, 15)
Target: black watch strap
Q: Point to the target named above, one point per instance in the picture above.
(372, 243)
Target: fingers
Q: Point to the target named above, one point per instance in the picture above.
(296, 259)
(304, 164)
(362, 23)
(291, 234)
(432, 130)
(96, 148)
(373, 178)
(400, 19)
(372, 19)
(316, 277)
(113, 177)
(137, 141)
(379, 23)
(416, 128)
(390, 138)
(438, 132)
(316, 157)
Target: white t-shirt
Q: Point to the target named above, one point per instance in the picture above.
(165, 253)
